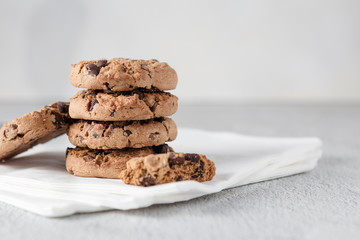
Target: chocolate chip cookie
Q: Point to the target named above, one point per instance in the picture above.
(118, 135)
(122, 106)
(120, 74)
(84, 162)
(169, 167)
(33, 128)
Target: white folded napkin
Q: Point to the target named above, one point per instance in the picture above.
(37, 181)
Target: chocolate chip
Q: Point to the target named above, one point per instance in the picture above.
(178, 178)
(93, 69)
(175, 160)
(90, 93)
(141, 95)
(147, 181)
(199, 171)
(161, 148)
(153, 107)
(62, 107)
(19, 135)
(112, 114)
(107, 85)
(58, 120)
(199, 175)
(192, 157)
(153, 136)
(95, 135)
(131, 86)
(127, 133)
(92, 104)
(201, 165)
(101, 63)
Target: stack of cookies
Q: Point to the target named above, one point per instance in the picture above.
(120, 124)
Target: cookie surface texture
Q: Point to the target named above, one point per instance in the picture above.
(118, 135)
(120, 74)
(122, 106)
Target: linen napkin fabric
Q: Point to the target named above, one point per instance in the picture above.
(37, 180)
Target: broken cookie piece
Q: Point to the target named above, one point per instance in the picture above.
(33, 128)
(169, 167)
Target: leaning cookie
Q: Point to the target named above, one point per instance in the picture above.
(165, 168)
(33, 128)
(118, 135)
(122, 106)
(121, 74)
(84, 162)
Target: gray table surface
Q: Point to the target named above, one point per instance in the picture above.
(322, 204)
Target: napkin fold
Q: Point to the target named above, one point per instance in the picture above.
(37, 180)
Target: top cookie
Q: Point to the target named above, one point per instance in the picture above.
(36, 127)
(122, 74)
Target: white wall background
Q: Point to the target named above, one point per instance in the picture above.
(222, 50)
